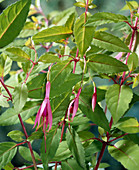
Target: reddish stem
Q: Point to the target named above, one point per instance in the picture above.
(111, 121)
(118, 137)
(20, 143)
(100, 155)
(27, 166)
(130, 46)
(56, 166)
(6, 89)
(29, 144)
(28, 74)
(86, 10)
(113, 79)
(9, 86)
(128, 84)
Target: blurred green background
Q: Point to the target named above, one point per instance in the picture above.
(113, 6)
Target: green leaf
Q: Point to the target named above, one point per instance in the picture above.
(103, 63)
(79, 120)
(132, 61)
(132, 137)
(20, 97)
(80, 4)
(3, 101)
(59, 74)
(9, 166)
(104, 165)
(76, 147)
(49, 58)
(98, 116)
(118, 99)
(5, 64)
(18, 54)
(52, 34)
(128, 124)
(59, 104)
(7, 152)
(62, 152)
(10, 116)
(25, 153)
(70, 21)
(12, 21)
(62, 17)
(36, 135)
(130, 5)
(127, 153)
(95, 147)
(91, 6)
(84, 135)
(52, 143)
(86, 138)
(109, 42)
(83, 35)
(94, 49)
(104, 18)
(16, 135)
(65, 85)
(70, 165)
(36, 87)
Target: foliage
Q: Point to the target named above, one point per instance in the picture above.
(56, 89)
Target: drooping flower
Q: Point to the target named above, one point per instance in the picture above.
(45, 111)
(73, 106)
(94, 98)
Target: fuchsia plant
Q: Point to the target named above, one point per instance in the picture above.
(79, 54)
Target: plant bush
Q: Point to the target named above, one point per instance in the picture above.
(59, 57)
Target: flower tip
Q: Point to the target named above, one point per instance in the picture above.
(94, 99)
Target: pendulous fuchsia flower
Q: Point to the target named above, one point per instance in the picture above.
(73, 106)
(94, 98)
(45, 110)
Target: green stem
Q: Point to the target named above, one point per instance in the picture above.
(29, 144)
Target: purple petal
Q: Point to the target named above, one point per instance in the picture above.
(43, 105)
(50, 118)
(36, 120)
(48, 85)
(46, 123)
(79, 91)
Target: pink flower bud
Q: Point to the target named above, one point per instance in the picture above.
(94, 98)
